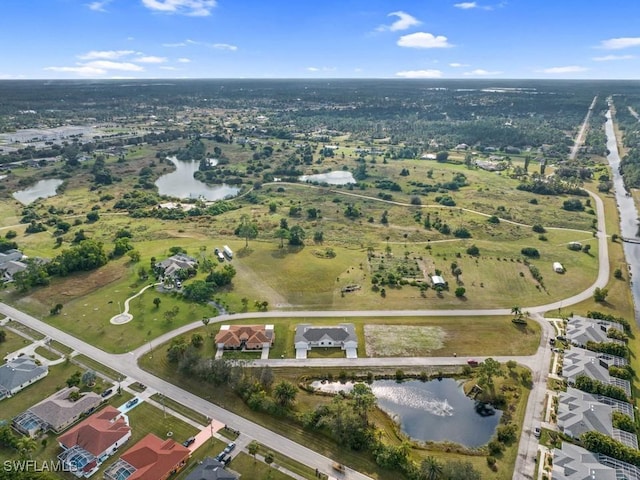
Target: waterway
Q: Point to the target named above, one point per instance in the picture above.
(41, 189)
(181, 184)
(628, 214)
(437, 410)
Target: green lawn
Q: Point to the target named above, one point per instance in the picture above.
(12, 343)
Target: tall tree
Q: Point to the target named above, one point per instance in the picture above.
(430, 469)
(247, 229)
(285, 393)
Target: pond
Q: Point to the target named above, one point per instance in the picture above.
(337, 177)
(42, 189)
(437, 410)
(181, 184)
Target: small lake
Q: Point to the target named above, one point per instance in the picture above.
(42, 189)
(437, 410)
(337, 177)
(181, 184)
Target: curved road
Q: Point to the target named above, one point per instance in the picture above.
(538, 363)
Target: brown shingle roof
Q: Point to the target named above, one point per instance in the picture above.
(98, 432)
(154, 458)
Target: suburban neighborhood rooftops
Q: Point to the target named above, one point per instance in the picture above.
(58, 410)
(211, 469)
(340, 333)
(581, 330)
(18, 372)
(579, 361)
(150, 459)
(575, 463)
(97, 432)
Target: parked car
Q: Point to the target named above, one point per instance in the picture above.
(107, 392)
(536, 432)
(132, 402)
(220, 457)
(229, 448)
(189, 441)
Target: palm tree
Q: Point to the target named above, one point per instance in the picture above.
(26, 446)
(430, 469)
(516, 310)
(285, 393)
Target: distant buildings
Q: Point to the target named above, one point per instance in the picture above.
(581, 330)
(10, 264)
(578, 362)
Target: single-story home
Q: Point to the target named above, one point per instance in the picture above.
(170, 266)
(56, 412)
(578, 362)
(576, 463)
(150, 459)
(19, 373)
(211, 469)
(87, 445)
(580, 412)
(250, 337)
(310, 336)
(581, 330)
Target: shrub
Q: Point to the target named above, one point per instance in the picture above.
(530, 252)
(473, 250)
(538, 228)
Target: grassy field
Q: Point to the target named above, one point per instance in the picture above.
(12, 343)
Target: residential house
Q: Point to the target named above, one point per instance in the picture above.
(438, 281)
(310, 336)
(19, 373)
(581, 330)
(211, 469)
(150, 459)
(580, 412)
(578, 362)
(576, 463)
(57, 412)
(180, 261)
(250, 337)
(87, 445)
(10, 264)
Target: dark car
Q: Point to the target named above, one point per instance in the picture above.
(107, 392)
(188, 441)
(472, 363)
(132, 402)
(220, 457)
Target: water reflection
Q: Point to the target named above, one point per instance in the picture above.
(42, 189)
(337, 177)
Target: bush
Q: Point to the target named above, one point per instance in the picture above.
(493, 219)
(573, 205)
(461, 233)
(530, 252)
(473, 250)
(538, 228)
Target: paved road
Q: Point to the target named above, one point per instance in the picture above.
(580, 137)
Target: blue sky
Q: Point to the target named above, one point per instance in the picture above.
(590, 39)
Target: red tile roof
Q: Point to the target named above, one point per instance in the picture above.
(98, 432)
(154, 458)
(251, 335)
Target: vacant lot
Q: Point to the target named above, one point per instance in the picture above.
(402, 340)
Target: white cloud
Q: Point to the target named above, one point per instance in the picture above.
(480, 72)
(419, 74)
(175, 45)
(567, 69)
(151, 59)
(193, 8)
(166, 67)
(184, 60)
(105, 54)
(313, 69)
(404, 22)
(609, 58)
(620, 43)
(109, 65)
(224, 46)
(99, 5)
(423, 40)
(83, 71)
(458, 65)
(466, 5)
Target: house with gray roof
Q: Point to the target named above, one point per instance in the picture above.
(211, 469)
(11, 255)
(10, 264)
(581, 330)
(578, 362)
(575, 463)
(19, 373)
(170, 266)
(580, 412)
(56, 412)
(310, 336)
